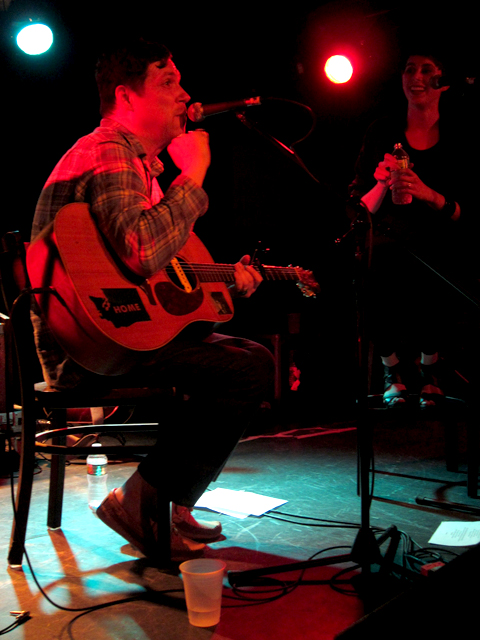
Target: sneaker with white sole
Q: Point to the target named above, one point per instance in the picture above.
(188, 526)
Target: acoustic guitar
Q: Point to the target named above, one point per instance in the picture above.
(107, 318)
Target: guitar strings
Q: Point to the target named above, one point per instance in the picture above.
(227, 271)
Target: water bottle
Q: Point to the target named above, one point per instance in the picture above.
(401, 156)
(97, 472)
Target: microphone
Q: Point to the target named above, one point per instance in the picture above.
(198, 112)
(437, 82)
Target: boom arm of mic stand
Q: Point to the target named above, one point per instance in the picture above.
(449, 279)
(291, 153)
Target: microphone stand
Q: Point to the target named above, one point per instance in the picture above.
(365, 551)
(288, 151)
(366, 548)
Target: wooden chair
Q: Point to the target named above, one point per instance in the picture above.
(35, 402)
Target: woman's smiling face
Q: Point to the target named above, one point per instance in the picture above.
(416, 81)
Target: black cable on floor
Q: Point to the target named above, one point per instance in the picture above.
(83, 610)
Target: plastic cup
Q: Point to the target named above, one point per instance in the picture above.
(203, 581)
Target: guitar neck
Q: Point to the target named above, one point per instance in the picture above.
(226, 272)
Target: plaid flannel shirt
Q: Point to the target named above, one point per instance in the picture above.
(109, 169)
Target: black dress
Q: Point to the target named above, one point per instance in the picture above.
(405, 297)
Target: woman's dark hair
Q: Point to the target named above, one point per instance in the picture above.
(439, 53)
(126, 64)
(426, 54)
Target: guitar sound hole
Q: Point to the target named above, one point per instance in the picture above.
(188, 273)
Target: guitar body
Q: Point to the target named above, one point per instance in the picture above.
(106, 318)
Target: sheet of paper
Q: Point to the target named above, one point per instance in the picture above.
(238, 504)
(457, 534)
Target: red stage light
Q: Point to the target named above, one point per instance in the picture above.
(338, 69)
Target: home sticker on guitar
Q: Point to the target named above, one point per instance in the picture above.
(122, 307)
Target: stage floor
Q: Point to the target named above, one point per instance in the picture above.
(313, 467)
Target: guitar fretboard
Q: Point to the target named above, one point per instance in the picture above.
(226, 272)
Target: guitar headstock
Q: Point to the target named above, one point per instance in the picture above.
(307, 283)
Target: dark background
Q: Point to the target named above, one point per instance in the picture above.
(257, 194)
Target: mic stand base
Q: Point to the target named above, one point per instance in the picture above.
(365, 551)
(373, 587)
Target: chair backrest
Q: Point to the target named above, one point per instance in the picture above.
(13, 268)
(23, 367)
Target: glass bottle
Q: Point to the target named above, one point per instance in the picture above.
(403, 161)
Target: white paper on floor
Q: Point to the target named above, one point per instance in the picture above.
(239, 504)
(457, 534)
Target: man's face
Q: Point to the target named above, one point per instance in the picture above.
(416, 77)
(160, 106)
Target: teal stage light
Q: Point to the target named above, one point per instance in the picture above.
(35, 39)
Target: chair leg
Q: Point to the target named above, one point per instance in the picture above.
(57, 474)
(24, 494)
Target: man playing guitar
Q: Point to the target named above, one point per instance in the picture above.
(114, 171)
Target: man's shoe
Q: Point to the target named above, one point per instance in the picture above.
(187, 526)
(182, 548)
(143, 536)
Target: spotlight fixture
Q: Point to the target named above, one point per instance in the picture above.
(338, 69)
(34, 38)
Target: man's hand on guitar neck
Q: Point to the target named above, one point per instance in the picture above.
(247, 279)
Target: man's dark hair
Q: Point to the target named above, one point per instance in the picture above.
(126, 64)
